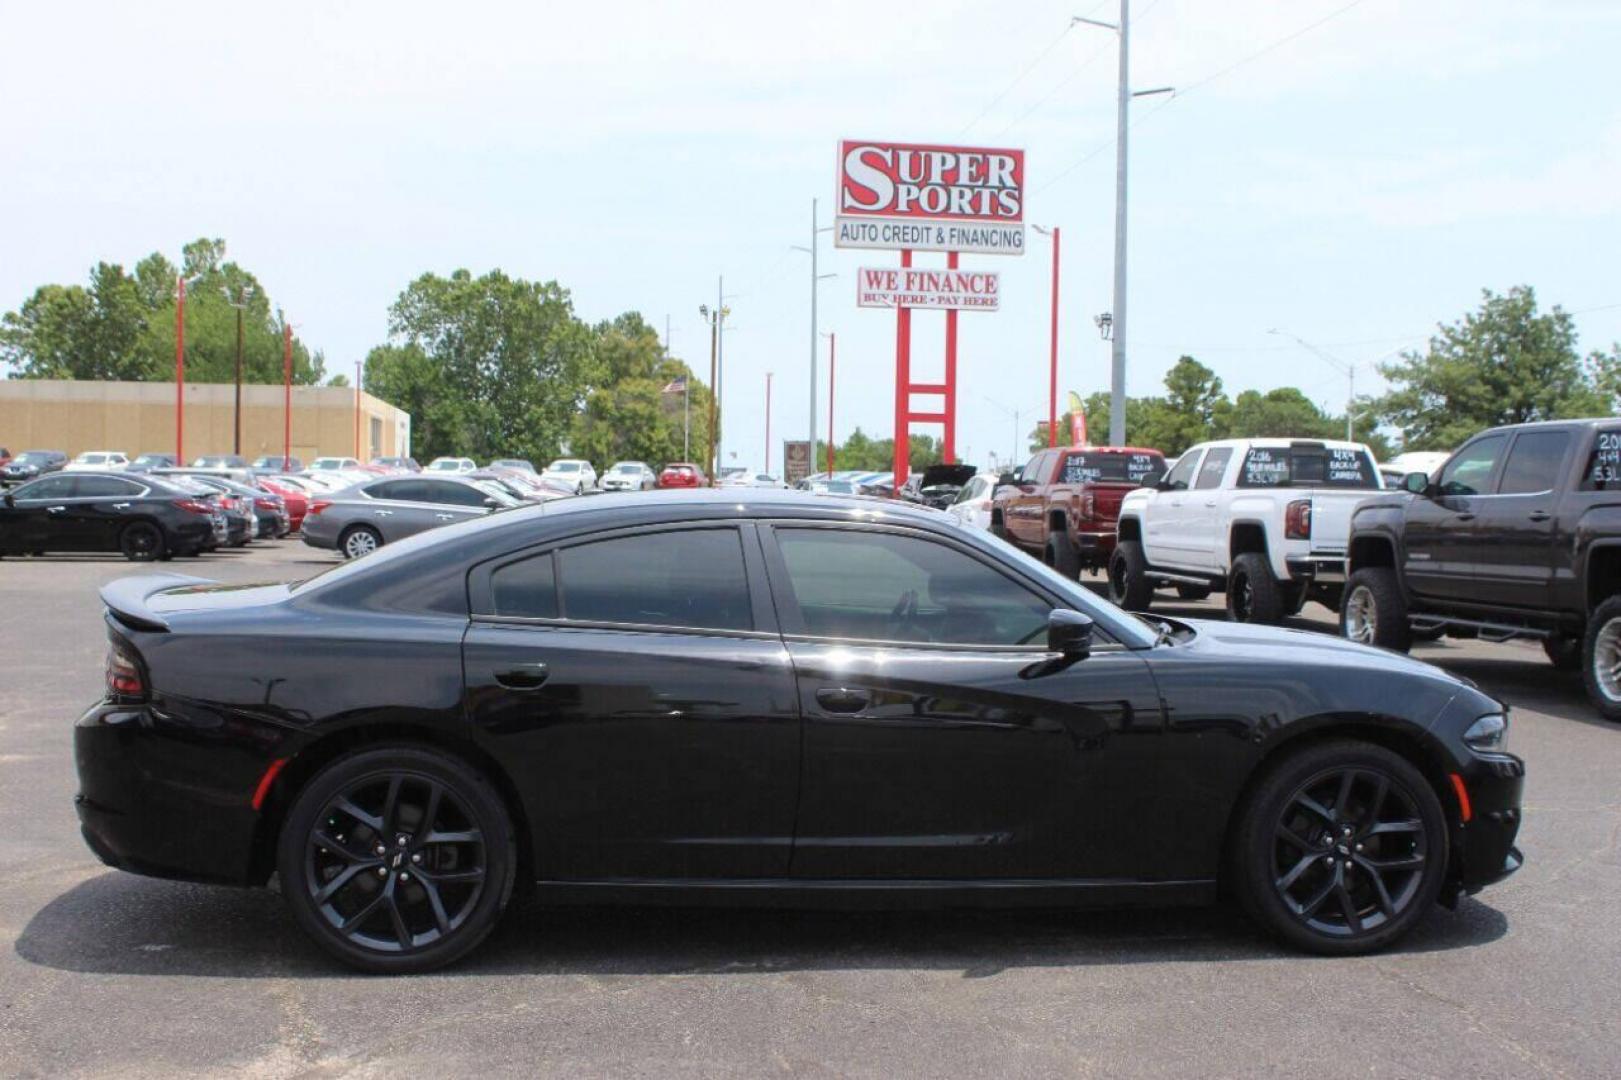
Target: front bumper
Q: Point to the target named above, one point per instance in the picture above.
(167, 796)
(1483, 846)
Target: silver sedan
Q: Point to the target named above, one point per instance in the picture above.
(361, 519)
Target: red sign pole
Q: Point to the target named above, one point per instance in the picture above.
(832, 355)
(286, 396)
(903, 384)
(1052, 363)
(180, 371)
(357, 410)
(950, 447)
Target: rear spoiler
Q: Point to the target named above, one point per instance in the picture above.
(126, 598)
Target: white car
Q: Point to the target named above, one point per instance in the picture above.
(1424, 461)
(333, 464)
(1265, 521)
(972, 506)
(630, 476)
(745, 478)
(97, 461)
(576, 471)
(452, 465)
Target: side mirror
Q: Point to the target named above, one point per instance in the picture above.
(1069, 633)
(1416, 483)
(492, 504)
(11, 500)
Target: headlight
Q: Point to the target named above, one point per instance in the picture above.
(1487, 733)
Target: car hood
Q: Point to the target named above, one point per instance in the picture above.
(956, 475)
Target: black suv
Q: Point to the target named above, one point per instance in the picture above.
(1518, 535)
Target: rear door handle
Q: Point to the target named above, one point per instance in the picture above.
(1466, 517)
(1212, 502)
(383, 513)
(55, 509)
(841, 699)
(445, 517)
(1540, 515)
(523, 676)
(120, 506)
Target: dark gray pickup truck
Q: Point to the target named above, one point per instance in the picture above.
(1518, 535)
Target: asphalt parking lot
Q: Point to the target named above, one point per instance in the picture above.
(104, 973)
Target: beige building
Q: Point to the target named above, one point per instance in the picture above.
(139, 417)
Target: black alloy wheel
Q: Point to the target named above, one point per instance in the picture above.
(1252, 595)
(397, 860)
(141, 541)
(1129, 586)
(1344, 848)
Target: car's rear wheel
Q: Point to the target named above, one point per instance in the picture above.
(1128, 577)
(1341, 848)
(1253, 595)
(1062, 557)
(1601, 658)
(358, 540)
(1372, 611)
(142, 541)
(397, 859)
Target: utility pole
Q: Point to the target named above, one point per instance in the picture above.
(286, 395)
(714, 319)
(832, 360)
(1052, 357)
(180, 371)
(357, 410)
(1344, 367)
(815, 278)
(240, 303)
(720, 367)
(768, 422)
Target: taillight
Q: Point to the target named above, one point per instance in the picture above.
(267, 504)
(1297, 520)
(123, 676)
(194, 506)
(314, 509)
(1089, 505)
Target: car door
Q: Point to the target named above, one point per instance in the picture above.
(942, 741)
(1165, 528)
(1021, 515)
(1514, 560)
(24, 522)
(1438, 534)
(639, 684)
(43, 508)
(1202, 516)
(99, 509)
(431, 503)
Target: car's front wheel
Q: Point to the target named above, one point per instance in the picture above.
(1372, 611)
(1601, 658)
(1341, 848)
(360, 540)
(1128, 577)
(397, 859)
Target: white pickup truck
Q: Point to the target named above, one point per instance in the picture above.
(1263, 520)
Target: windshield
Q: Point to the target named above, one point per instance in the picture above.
(495, 490)
(31, 458)
(565, 466)
(1138, 469)
(445, 465)
(327, 463)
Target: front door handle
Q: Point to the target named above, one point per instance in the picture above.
(120, 506)
(383, 513)
(523, 676)
(1212, 502)
(1466, 517)
(841, 699)
(445, 517)
(55, 509)
(1540, 515)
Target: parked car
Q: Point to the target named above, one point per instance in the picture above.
(629, 476)
(363, 518)
(576, 471)
(972, 506)
(220, 461)
(141, 517)
(270, 519)
(31, 463)
(276, 463)
(241, 517)
(746, 478)
(789, 651)
(334, 464)
(829, 487)
(1063, 505)
(937, 485)
(514, 463)
(294, 497)
(5, 456)
(452, 465)
(397, 464)
(1517, 535)
(1264, 520)
(148, 462)
(682, 474)
(98, 461)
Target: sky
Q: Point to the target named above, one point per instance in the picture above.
(1351, 173)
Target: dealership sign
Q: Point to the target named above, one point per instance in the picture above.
(915, 287)
(930, 198)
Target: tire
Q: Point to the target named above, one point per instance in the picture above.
(1193, 592)
(998, 530)
(1328, 885)
(142, 541)
(395, 926)
(1062, 556)
(1373, 610)
(1601, 657)
(358, 540)
(1253, 594)
(1564, 651)
(1128, 577)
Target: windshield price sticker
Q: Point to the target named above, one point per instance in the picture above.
(1606, 466)
(1139, 467)
(1344, 466)
(1264, 468)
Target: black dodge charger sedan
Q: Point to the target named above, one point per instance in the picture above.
(768, 697)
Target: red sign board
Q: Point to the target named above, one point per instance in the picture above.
(921, 287)
(930, 198)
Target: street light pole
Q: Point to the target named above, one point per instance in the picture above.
(286, 395)
(768, 422)
(1052, 360)
(357, 410)
(815, 279)
(832, 359)
(240, 303)
(180, 371)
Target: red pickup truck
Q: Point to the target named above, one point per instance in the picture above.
(1063, 504)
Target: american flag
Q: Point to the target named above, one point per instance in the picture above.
(677, 385)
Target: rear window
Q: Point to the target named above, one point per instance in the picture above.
(1604, 465)
(1097, 468)
(1307, 466)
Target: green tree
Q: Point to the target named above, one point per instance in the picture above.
(1505, 363)
(628, 416)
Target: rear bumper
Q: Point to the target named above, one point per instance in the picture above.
(1095, 544)
(1317, 569)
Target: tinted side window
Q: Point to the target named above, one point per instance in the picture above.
(1215, 464)
(395, 489)
(457, 495)
(1471, 468)
(52, 487)
(1604, 464)
(90, 487)
(880, 586)
(1533, 462)
(691, 578)
(526, 589)
(1180, 477)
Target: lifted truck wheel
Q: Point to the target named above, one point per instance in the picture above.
(1601, 658)
(1253, 595)
(1062, 557)
(1373, 611)
(1128, 577)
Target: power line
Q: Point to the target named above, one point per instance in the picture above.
(1022, 75)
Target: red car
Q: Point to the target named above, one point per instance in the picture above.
(682, 474)
(296, 499)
